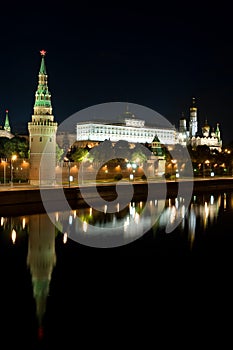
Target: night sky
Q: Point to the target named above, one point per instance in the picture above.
(156, 57)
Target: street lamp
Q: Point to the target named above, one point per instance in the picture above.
(4, 171)
(131, 167)
(14, 157)
(173, 161)
(207, 163)
(67, 160)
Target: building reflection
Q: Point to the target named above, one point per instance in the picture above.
(40, 233)
(41, 260)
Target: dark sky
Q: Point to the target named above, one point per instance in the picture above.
(157, 57)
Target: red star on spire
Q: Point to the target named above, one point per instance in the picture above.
(42, 52)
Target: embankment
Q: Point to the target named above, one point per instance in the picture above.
(28, 200)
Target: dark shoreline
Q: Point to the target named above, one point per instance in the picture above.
(27, 201)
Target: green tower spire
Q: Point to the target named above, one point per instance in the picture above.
(7, 124)
(42, 66)
(42, 104)
(217, 132)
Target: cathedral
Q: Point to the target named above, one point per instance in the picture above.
(188, 134)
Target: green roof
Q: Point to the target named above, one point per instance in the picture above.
(42, 66)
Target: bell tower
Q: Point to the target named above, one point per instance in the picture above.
(193, 119)
(42, 133)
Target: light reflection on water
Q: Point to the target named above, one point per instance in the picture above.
(79, 222)
(40, 235)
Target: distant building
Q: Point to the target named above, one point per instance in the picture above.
(6, 130)
(190, 135)
(131, 129)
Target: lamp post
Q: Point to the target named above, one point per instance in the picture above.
(67, 160)
(206, 163)
(131, 167)
(14, 157)
(4, 162)
(173, 161)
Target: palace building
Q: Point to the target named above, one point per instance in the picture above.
(131, 129)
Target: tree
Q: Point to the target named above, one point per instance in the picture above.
(102, 153)
(17, 145)
(59, 153)
(122, 149)
(79, 154)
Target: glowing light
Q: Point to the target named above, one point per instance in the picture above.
(13, 236)
(2, 221)
(90, 211)
(23, 223)
(173, 214)
(211, 199)
(105, 208)
(225, 201)
(84, 226)
(206, 209)
(70, 219)
(65, 236)
(56, 216)
(137, 218)
(43, 52)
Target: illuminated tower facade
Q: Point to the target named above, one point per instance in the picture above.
(42, 133)
(193, 119)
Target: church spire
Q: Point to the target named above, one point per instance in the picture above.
(7, 124)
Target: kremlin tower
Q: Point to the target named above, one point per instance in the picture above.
(7, 124)
(42, 133)
(193, 119)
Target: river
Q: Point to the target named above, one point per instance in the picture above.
(44, 265)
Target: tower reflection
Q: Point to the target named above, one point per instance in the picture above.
(41, 260)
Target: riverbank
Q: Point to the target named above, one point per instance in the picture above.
(25, 199)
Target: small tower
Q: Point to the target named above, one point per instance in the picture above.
(217, 132)
(7, 124)
(193, 119)
(158, 157)
(42, 133)
(206, 129)
(182, 124)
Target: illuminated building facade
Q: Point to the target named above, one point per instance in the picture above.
(131, 129)
(190, 136)
(42, 134)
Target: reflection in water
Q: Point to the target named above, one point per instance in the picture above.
(41, 260)
(203, 213)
